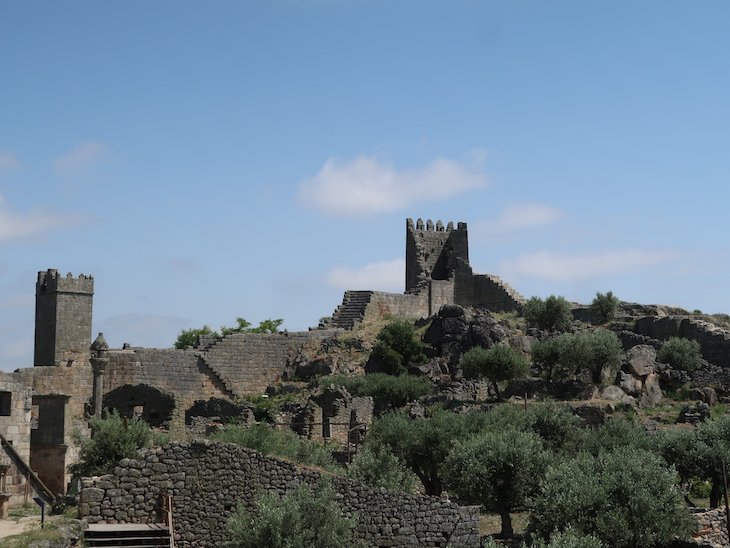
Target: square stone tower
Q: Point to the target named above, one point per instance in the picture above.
(434, 252)
(62, 318)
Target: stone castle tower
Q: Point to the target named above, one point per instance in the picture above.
(62, 318)
(434, 252)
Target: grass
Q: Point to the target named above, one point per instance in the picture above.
(491, 524)
(24, 511)
(55, 530)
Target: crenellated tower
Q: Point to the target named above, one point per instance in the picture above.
(62, 318)
(433, 251)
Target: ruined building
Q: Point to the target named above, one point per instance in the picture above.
(437, 273)
(72, 379)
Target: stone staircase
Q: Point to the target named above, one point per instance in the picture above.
(508, 289)
(128, 535)
(351, 311)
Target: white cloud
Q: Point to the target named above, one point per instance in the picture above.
(19, 225)
(8, 161)
(383, 276)
(563, 267)
(365, 186)
(519, 216)
(80, 158)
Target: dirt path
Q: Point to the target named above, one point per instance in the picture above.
(13, 527)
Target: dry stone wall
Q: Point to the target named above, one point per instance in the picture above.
(712, 528)
(207, 481)
(714, 341)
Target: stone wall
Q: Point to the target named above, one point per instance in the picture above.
(15, 425)
(714, 341)
(207, 481)
(247, 363)
(712, 528)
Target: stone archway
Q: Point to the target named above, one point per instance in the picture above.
(151, 404)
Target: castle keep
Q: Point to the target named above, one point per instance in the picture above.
(437, 273)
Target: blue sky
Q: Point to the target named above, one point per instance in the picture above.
(208, 160)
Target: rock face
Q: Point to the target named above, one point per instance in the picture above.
(207, 481)
(638, 378)
(641, 359)
(456, 329)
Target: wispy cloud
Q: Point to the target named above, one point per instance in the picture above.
(366, 186)
(76, 161)
(8, 161)
(383, 275)
(565, 267)
(14, 225)
(521, 216)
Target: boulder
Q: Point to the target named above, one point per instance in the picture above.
(316, 367)
(592, 414)
(641, 360)
(630, 384)
(615, 394)
(694, 413)
(706, 394)
(652, 393)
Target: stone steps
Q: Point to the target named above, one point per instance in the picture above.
(352, 309)
(508, 289)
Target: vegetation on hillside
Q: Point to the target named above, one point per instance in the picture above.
(305, 516)
(112, 439)
(397, 346)
(551, 314)
(189, 338)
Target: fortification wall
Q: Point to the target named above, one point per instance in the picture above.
(208, 480)
(714, 341)
(396, 304)
(248, 363)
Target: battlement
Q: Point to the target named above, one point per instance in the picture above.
(50, 281)
(429, 226)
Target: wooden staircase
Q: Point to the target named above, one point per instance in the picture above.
(133, 535)
(128, 535)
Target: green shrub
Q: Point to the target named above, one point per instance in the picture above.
(597, 353)
(605, 306)
(282, 443)
(381, 468)
(616, 433)
(499, 363)
(386, 390)
(680, 353)
(302, 517)
(396, 347)
(113, 439)
(626, 498)
(189, 338)
(570, 539)
(498, 470)
(552, 314)
(422, 444)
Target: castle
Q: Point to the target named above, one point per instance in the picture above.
(72, 378)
